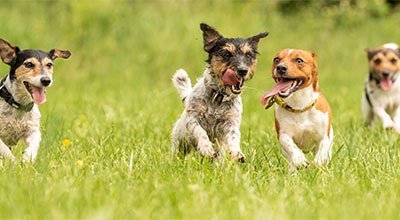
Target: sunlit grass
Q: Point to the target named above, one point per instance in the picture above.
(106, 126)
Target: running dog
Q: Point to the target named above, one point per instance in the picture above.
(21, 91)
(302, 114)
(213, 107)
(381, 97)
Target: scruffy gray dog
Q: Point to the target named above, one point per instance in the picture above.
(213, 107)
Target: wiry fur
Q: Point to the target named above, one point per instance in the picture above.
(378, 104)
(17, 125)
(206, 124)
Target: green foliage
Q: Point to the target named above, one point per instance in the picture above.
(113, 99)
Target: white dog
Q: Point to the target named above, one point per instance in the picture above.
(381, 96)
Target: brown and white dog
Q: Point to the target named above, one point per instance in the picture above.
(302, 114)
(21, 91)
(381, 97)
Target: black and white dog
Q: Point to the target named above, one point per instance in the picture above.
(21, 90)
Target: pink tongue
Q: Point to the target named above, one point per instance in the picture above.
(39, 96)
(386, 83)
(280, 86)
(229, 78)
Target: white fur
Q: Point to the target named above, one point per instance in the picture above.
(205, 125)
(302, 132)
(17, 125)
(385, 105)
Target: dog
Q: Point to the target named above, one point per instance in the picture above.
(213, 107)
(302, 114)
(381, 96)
(21, 91)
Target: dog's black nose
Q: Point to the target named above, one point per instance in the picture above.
(45, 81)
(385, 73)
(281, 69)
(242, 72)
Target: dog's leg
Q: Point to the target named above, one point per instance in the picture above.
(200, 135)
(384, 116)
(323, 153)
(232, 142)
(396, 120)
(33, 142)
(292, 153)
(5, 152)
(366, 110)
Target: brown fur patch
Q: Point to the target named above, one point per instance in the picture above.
(229, 47)
(246, 48)
(277, 126)
(385, 60)
(26, 71)
(306, 70)
(323, 106)
(218, 66)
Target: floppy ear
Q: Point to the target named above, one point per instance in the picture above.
(370, 52)
(56, 53)
(315, 70)
(8, 53)
(255, 39)
(210, 36)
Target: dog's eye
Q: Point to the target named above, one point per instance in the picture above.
(299, 60)
(377, 61)
(249, 55)
(276, 60)
(393, 61)
(29, 65)
(49, 65)
(227, 54)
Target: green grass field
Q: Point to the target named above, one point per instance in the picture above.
(114, 101)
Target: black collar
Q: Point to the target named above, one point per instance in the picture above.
(218, 96)
(7, 97)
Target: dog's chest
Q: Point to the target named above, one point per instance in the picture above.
(15, 125)
(306, 128)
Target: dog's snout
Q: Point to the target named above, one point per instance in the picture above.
(242, 72)
(45, 81)
(385, 73)
(281, 69)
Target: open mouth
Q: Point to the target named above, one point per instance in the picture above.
(284, 87)
(230, 79)
(386, 83)
(291, 86)
(38, 94)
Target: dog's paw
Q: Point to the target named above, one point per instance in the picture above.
(388, 125)
(299, 161)
(322, 160)
(207, 150)
(396, 128)
(238, 156)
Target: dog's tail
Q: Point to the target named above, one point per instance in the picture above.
(183, 84)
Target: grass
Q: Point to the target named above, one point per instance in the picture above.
(113, 99)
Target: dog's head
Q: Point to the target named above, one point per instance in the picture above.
(32, 68)
(384, 64)
(232, 60)
(292, 70)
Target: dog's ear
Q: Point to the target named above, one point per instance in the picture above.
(398, 52)
(8, 53)
(210, 36)
(370, 52)
(256, 38)
(56, 53)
